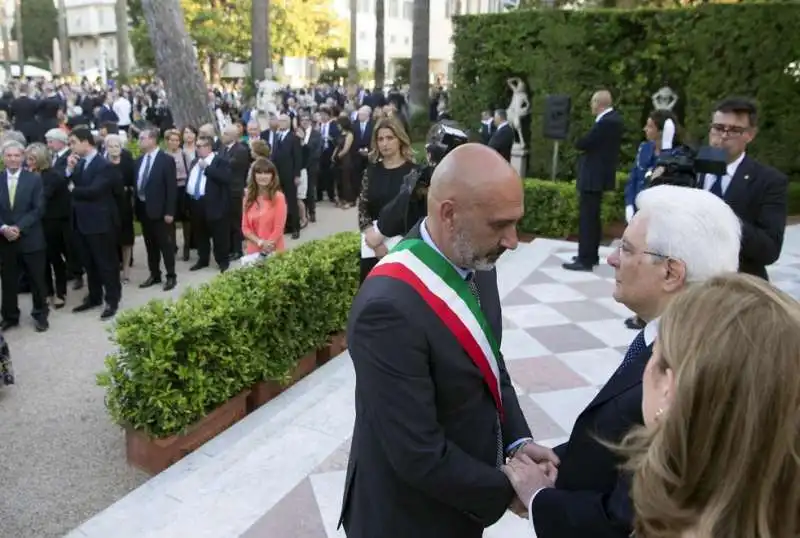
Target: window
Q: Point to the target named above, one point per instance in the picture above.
(393, 9)
(365, 6)
(406, 40)
(392, 39)
(448, 8)
(408, 10)
(100, 16)
(362, 36)
(82, 64)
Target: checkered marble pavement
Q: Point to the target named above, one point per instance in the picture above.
(280, 472)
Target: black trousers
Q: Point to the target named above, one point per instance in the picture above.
(311, 193)
(100, 258)
(237, 199)
(12, 262)
(74, 250)
(590, 227)
(205, 231)
(292, 209)
(327, 180)
(57, 235)
(158, 242)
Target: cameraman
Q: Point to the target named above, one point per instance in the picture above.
(757, 193)
(410, 205)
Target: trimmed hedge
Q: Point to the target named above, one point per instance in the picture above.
(178, 360)
(702, 53)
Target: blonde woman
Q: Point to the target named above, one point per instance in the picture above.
(125, 177)
(719, 456)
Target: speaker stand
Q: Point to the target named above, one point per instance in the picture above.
(554, 168)
(519, 159)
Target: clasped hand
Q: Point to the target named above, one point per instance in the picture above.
(532, 468)
(11, 233)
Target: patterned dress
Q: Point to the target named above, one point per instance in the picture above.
(6, 372)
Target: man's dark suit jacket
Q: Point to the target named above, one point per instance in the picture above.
(288, 158)
(27, 211)
(592, 496)
(423, 456)
(501, 141)
(597, 170)
(160, 187)
(57, 204)
(61, 162)
(218, 196)
(313, 152)
(239, 158)
(93, 203)
(758, 195)
(362, 141)
(487, 130)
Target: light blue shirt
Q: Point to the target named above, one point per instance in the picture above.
(463, 273)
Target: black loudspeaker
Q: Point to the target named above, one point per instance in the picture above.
(556, 116)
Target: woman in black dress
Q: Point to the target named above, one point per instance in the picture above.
(391, 159)
(343, 163)
(125, 177)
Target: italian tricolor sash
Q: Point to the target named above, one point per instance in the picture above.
(438, 283)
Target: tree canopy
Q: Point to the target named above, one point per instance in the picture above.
(39, 28)
(222, 27)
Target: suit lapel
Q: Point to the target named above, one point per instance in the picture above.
(737, 189)
(622, 381)
(4, 194)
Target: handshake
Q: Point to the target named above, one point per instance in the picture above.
(532, 468)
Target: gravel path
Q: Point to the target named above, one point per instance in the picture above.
(61, 459)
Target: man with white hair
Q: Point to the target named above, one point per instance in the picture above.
(679, 237)
(362, 132)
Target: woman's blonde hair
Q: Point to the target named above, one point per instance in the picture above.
(399, 131)
(724, 460)
(173, 132)
(260, 148)
(41, 155)
(114, 138)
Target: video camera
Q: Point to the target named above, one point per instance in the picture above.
(443, 137)
(683, 165)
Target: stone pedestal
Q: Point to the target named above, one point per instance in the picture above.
(519, 159)
(263, 120)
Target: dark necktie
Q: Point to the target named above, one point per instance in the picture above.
(634, 350)
(716, 187)
(473, 288)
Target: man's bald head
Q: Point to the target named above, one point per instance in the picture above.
(230, 134)
(601, 100)
(474, 202)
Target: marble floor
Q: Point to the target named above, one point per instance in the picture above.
(280, 472)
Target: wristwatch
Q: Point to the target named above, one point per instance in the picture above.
(513, 452)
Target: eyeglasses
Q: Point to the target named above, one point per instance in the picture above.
(728, 130)
(625, 247)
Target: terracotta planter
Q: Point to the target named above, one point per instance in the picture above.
(336, 344)
(305, 366)
(261, 393)
(155, 455)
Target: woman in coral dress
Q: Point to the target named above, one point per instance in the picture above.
(264, 213)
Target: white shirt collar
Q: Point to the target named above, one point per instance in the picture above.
(152, 153)
(15, 175)
(603, 113)
(732, 167)
(423, 232)
(651, 332)
(502, 125)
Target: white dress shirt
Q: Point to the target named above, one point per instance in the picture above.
(198, 174)
(603, 113)
(709, 180)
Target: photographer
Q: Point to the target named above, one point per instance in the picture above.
(410, 205)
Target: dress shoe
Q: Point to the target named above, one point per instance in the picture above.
(198, 266)
(577, 266)
(312, 217)
(186, 253)
(296, 235)
(59, 303)
(151, 281)
(170, 283)
(234, 256)
(108, 312)
(78, 284)
(575, 259)
(86, 305)
(8, 324)
(223, 268)
(41, 325)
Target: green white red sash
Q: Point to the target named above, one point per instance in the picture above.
(438, 283)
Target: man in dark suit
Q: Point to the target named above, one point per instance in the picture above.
(503, 137)
(312, 152)
(591, 494)
(362, 133)
(329, 130)
(757, 193)
(435, 417)
(487, 126)
(21, 238)
(288, 158)
(91, 184)
(23, 111)
(597, 173)
(238, 155)
(155, 193)
(208, 188)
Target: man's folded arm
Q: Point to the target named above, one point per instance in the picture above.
(392, 362)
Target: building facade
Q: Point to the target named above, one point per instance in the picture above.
(92, 32)
(398, 30)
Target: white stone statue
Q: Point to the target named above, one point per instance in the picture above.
(665, 99)
(268, 91)
(519, 107)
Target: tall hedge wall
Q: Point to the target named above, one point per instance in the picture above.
(703, 53)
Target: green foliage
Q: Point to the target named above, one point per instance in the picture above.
(402, 71)
(551, 207)
(704, 53)
(39, 28)
(222, 28)
(333, 76)
(178, 360)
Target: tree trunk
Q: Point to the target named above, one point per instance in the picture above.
(176, 62)
(352, 60)
(261, 57)
(6, 41)
(420, 46)
(123, 40)
(63, 38)
(20, 49)
(380, 44)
